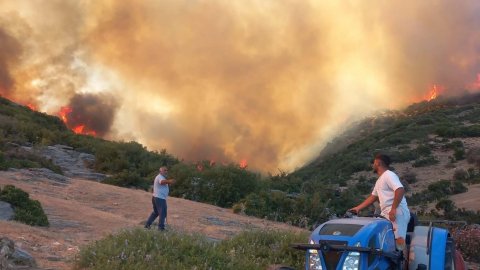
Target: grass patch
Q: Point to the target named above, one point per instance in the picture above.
(142, 249)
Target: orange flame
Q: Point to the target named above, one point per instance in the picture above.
(64, 111)
(475, 85)
(243, 164)
(31, 106)
(434, 92)
(79, 129)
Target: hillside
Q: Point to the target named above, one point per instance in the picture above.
(428, 142)
(81, 211)
(434, 146)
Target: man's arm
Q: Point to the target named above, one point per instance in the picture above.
(397, 198)
(368, 201)
(167, 181)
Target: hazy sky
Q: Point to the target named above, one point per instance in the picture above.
(269, 81)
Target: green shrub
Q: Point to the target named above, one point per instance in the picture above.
(128, 179)
(141, 249)
(364, 186)
(26, 210)
(423, 162)
(459, 154)
(436, 191)
(424, 150)
(410, 177)
(15, 158)
(460, 175)
(473, 156)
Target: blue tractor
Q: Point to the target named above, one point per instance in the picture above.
(355, 243)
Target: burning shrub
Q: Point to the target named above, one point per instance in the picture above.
(468, 242)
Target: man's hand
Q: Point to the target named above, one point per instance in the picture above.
(355, 210)
(392, 214)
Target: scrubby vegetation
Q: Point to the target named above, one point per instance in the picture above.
(305, 197)
(467, 241)
(129, 163)
(141, 249)
(26, 210)
(436, 191)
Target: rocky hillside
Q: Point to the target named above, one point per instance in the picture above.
(429, 142)
(81, 211)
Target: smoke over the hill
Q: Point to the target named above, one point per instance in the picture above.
(9, 51)
(266, 81)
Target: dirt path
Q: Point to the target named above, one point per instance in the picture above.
(81, 211)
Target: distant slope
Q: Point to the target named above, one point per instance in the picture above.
(429, 141)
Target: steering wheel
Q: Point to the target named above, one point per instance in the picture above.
(350, 214)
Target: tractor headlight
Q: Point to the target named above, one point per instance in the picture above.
(314, 261)
(352, 261)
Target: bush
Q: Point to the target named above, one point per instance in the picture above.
(468, 242)
(17, 158)
(221, 185)
(26, 210)
(423, 162)
(409, 176)
(140, 249)
(458, 150)
(365, 186)
(460, 175)
(473, 156)
(437, 191)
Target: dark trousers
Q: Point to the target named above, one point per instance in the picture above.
(159, 209)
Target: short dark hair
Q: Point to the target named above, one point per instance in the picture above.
(384, 158)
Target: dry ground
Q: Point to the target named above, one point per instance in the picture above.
(82, 211)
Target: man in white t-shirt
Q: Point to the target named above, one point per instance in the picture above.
(159, 198)
(390, 193)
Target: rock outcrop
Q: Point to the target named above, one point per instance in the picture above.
(73, 163)
(6, 211)
(12, 257)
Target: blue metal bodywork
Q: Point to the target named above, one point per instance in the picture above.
(374, 233)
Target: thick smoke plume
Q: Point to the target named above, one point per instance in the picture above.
(267, 81)
(94, 112)
(9, 51)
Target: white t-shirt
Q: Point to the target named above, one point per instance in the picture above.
(385, 188)
(160, 191)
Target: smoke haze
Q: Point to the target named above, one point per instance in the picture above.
(267, 81)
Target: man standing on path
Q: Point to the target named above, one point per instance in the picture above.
(390, 193)
(159, 198)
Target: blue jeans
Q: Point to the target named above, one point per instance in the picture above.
(159, 209)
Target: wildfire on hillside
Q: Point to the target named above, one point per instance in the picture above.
(434, 92)
(475, 85)
(243, 164)
(31, 106)
(65, 113)
(228, 80)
